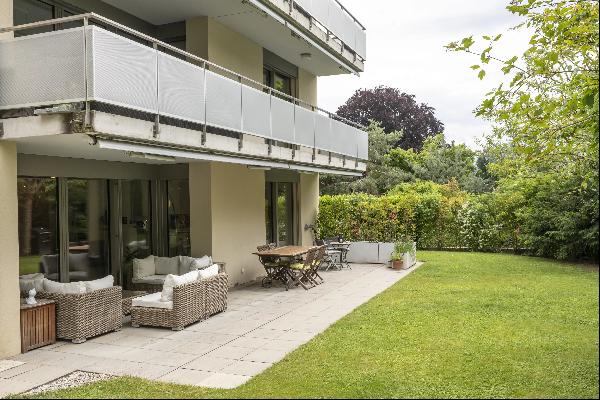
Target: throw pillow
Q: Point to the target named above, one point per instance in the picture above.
(103, 283)
(63, 288)
(209, 272)
(174, 280)
(31, 281)
(144, 267)
(201, 263)
(166, 265)
(185, 264)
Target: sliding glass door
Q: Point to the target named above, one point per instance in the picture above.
(73, 229)
(38, 226)
(279, 212)
(88, 229)
(136, 224)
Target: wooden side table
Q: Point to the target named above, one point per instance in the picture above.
(38, 324)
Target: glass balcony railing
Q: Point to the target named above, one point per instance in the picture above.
(337, 20)
(94, 63)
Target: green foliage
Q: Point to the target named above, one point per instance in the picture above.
(546, 134)
(401, 247)
(425, 211)
(380, 176)
(441, 162)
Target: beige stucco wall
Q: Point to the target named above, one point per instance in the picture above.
(307, 87)
(227, 216)
(209, 39)
(10, 342)
(200, 208)
(309, 205)
(6, 16)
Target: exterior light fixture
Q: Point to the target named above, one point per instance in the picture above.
(306, 56)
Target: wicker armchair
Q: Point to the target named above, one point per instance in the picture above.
(82, 316)
(192, 302)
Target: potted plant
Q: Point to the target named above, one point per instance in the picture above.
(401, 247)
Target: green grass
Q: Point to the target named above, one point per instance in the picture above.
(463, 325)
(29, 265)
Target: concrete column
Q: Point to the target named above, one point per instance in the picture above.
(200, 209)
(307, 86)
(6, 17)
(309, 205)
(227, 216)
(10, 338)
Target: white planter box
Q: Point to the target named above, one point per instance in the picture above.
(363, 253)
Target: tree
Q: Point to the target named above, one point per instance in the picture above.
(396, 112)
(379, 177)
(546, 123)
(441, 163)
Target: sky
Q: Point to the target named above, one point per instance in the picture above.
(405, 50)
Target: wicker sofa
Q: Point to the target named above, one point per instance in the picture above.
(85, 315)
(192, 302)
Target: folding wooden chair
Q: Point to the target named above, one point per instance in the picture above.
(272, 266)
(319, 260)
(301, 271)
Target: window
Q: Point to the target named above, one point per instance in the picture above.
(278, 81)
(28, 11)
(38, 227)
(178, 218)
(279, 212)
(88, 229)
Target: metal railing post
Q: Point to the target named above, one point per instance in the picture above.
(203, 140)
(156, 130)
(87, 116)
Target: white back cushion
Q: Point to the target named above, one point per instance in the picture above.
(167, 265)
(143, 267)
(31, 281)
(185, 264)
(103, 283)
(64, 288)
(174, 280)
(209, 272)
(201, 263)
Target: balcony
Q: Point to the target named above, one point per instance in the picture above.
(325, 28)
(155, 81)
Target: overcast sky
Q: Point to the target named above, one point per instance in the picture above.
(405, 49)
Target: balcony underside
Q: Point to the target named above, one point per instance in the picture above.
(117, 138)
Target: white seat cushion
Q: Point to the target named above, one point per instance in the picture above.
(151, 300)
(166, 265)
(64, 288)
(103, 283)
(143, 267)
(175, 280)
(150, 280)
(209, 272)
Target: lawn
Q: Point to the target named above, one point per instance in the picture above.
(463, 325)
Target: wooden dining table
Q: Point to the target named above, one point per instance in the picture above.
(285, 251)
(285, 256)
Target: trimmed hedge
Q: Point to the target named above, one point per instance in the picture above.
(435, 216)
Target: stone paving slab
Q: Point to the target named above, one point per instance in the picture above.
(260, 327)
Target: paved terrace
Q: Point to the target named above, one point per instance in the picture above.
(259, 328)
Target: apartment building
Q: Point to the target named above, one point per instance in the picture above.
(183, 127)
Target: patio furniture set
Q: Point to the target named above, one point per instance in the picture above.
(300, 265)
(82, 310)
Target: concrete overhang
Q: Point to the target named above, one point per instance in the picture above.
(278, 33)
